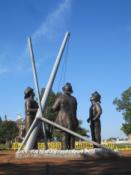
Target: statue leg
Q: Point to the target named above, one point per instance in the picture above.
(92, 127)
(72, 142)
(64, 140)
(93, 133)
(98, 131)
(27, 123)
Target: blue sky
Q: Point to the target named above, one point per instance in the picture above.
(98, 55)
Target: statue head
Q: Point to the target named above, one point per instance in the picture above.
(95, 97)
(67, 88)
(28, 92)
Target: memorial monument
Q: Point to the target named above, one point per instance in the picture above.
(31, 136)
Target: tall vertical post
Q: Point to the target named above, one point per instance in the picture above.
(36, 84)
(32, 138)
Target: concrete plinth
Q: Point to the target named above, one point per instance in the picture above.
(75, 154)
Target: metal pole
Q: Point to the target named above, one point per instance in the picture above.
(35, 122)
(73, 133)
(36, 85)
(66, 130)
(31, 140)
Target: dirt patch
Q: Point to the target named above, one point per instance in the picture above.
(9, 165)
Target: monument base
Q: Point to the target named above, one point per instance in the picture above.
(73, 154)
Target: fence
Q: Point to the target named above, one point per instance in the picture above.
(78, 145)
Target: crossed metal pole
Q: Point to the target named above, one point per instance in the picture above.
(37, 86)
(32, 132)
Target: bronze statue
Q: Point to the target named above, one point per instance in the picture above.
(31, 107)
(66, 105)
(94, 117)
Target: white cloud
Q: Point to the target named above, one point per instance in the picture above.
(54, 21)
(50, 27)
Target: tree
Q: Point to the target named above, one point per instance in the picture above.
(8, 131)
(82, 131)
(0, 119)
(5, 117)
(124, 106)
(48, 112)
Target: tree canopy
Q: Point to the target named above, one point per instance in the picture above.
(124, 105)
(8, 131)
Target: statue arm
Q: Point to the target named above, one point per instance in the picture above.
(56, 105)
(98, 112)
(77, 122)
(29, 107)
(89, 118)
(75, 109)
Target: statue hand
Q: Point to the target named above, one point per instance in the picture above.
(88, 120)
(94, 118)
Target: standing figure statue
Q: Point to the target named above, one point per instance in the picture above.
(94, 117)
(31, 107)
(66, 105)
